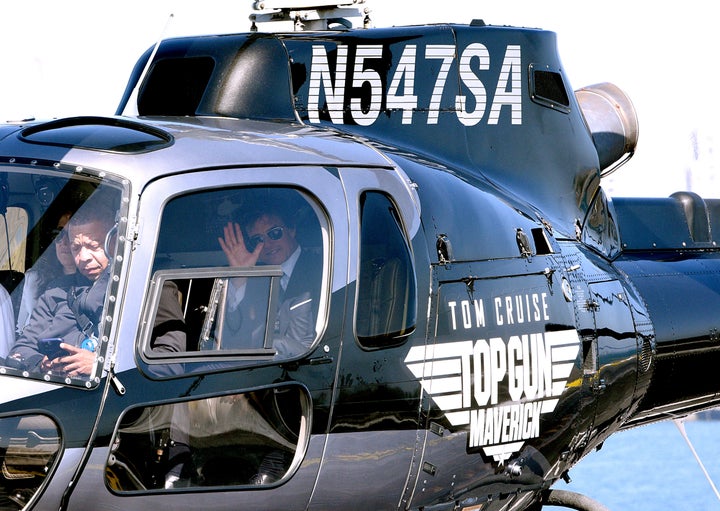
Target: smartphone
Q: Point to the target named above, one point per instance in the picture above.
(51, 347)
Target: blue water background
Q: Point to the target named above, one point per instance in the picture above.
(652, 468)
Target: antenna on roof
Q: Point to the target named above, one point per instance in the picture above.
(301, 15)
(132, 100)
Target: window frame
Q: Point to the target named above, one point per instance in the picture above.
(539, 77)
(152, 204)
(386, 339)
(215, 272)
(103, 182)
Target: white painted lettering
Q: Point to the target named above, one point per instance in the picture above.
(515, 368)
(472, 314)
(509, 87)
(509, 310)
(477, 427)
(523, 365)
(447, 54)
(543, 365)
(504, 424)
(498, 366)
(519, 308)
(473, 83)
(513, 430)
(320, 78)
(479, 313)
(365, 115)
(503, 383)
(467, 320)
(498, 316)
(531, 377)
(453, 319)
(483, 373)
(405, 73)
(366, 98)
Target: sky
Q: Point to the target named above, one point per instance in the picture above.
(61, 58)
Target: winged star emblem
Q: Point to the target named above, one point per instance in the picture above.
(463, 379)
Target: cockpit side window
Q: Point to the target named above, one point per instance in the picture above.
(386, 304)
(237, 277)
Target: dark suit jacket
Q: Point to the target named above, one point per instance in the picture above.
(169, 334)
(294, 328)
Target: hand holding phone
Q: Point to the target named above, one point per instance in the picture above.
(51, 348)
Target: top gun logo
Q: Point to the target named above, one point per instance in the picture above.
(467, 379)
(401, 94)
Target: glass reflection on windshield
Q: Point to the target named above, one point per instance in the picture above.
(56, 252)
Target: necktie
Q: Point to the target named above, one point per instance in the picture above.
(283, 285)
(284, 281)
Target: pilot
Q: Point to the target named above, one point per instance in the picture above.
(70, 309)
(268, 237)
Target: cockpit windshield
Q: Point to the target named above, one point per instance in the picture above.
(58, 240)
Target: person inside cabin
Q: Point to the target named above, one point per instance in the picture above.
(53, 264)
(267, 236)
(70, 309)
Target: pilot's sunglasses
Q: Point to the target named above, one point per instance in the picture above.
(274, 234)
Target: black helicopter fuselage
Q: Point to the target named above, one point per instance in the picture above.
(484, 316)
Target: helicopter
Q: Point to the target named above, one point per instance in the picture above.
(473, 314)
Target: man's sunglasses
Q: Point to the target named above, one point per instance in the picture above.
(274, 234)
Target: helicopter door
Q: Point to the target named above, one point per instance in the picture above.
(221, 401)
